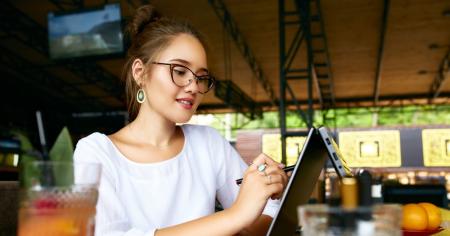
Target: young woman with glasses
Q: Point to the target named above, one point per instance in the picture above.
(160, 178)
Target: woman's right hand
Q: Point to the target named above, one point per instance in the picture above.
(258, 186)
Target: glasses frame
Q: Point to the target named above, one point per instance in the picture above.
(196, 77)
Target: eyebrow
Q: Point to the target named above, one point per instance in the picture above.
(187, 63)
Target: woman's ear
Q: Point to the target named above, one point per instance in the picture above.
(138, 71)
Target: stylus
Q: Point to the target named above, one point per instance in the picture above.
(286, 169)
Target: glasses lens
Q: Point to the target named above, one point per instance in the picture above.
(204, 83)
(182, 76)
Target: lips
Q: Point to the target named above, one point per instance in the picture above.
(186, 103)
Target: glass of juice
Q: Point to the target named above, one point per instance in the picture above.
(58, 198)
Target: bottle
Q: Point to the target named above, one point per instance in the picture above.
(349, 193)
(334, 196)
(349, 203)
(334, 201)
(365, 225)
(364, 190)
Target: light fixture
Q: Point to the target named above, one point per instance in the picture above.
(369, 149)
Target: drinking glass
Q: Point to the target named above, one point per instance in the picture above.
(58, 198)
(323, 220)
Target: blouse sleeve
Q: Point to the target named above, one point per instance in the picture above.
(111, 218)
(232, 167)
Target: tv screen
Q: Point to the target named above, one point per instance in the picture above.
(93, 32)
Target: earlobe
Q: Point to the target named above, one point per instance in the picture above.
(138, 70)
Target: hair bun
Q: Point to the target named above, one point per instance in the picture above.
(144, 15)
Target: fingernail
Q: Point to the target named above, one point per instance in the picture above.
(281, 165)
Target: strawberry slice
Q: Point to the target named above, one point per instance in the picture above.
(44, 204)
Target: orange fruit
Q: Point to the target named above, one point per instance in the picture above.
(434, 215)
(414, 217)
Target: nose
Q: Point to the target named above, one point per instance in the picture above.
(192, 86)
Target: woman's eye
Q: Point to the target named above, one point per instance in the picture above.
(203, 79)
(180, 71)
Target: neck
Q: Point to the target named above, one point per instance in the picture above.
(152, 130)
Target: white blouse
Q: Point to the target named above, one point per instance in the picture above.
(136, 199)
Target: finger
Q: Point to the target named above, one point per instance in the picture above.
(269, 179)
(254, 167)
(275, 191)
(276, 197)
(260, 159)
(268, 160)
(285, 178)
(274, 179)
(275, 170)
(262, 169)
(279, 179)
(265, 159)
(280, 194)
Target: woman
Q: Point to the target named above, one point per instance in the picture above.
(162, 179)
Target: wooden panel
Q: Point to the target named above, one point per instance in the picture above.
(249, 144)
(352, 28)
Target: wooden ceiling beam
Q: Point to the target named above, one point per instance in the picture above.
(322, 73)
(231, 26)
(339, 101)
(43, 81)
(376, 90)
(441, 77)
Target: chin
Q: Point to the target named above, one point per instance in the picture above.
(181, 116)
(181, 119)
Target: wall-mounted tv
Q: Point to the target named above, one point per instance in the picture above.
(91, 32)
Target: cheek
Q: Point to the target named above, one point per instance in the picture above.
(162, 87)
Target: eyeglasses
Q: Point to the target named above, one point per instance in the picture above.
(182, 78)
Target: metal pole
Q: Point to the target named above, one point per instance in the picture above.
(282, 106)
(310, 59)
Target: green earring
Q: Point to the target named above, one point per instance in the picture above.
(140, 97)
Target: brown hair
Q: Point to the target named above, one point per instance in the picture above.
(149, 34)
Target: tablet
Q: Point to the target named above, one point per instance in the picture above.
(310, 163)
(335, 155)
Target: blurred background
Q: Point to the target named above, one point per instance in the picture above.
(375, 72)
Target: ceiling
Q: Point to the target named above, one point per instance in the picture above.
(405, 54)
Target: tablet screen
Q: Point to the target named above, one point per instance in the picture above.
(300, 186)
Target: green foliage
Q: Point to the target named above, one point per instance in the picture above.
(27, 156)
(62, 151)
(354, 117)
